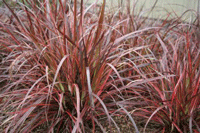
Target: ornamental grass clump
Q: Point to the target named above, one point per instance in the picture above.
(59, 61)
(173, 102)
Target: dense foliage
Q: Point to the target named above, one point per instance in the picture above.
(64, 67)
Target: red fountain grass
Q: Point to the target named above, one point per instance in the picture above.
(173, 102)
(57, 69)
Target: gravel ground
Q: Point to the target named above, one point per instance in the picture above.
(126, 125)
